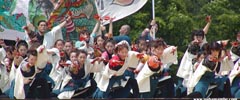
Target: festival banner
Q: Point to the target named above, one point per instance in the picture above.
(82, 12)
(14, 14)
(10, 24)
(118, 8)
(17, 13)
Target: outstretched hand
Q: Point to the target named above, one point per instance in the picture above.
(140, 55)
(116, 63)
(28, 27)
(208, 19)
(234, 43)
(109, 35)
(136, 71)
(173, 50)
(68, 18)
(224, 42)
(25, 28)
(41, 48)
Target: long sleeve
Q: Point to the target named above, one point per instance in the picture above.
(169, 56)
(235, 71)
(133, 59)
(51, 36)
(2, 54)
(42, 57)
(96, 66)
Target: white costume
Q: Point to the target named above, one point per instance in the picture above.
(235, 71)
(131, 61)
(20, 80)
(88, 68)
(185, 69)
(143, 77)
(4, 75)
(226, 65)
(57, 73)
(50, 37)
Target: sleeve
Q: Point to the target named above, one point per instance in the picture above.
(140, 66)
(27, 37)
(226, 66)
(2, 54)
(92, 36)
(42, 57)
(234, 56)
(204, 39)
(97, 66)
(235, 71)
(169, 56)
(133, 59)
(51, 36)
(56, 32)
(54, 58)
(18, 88)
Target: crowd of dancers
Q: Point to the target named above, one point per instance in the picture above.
(100, 65)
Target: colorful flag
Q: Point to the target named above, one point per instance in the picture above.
(10, 24)
(82, 12)
(22, 12)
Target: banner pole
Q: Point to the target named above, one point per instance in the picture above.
(153, 9)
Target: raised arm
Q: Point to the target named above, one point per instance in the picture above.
(30, 34)
(65, 22)
(208, 19)
(96, 27)
(153, 29)
(27, 30)
(110, 31)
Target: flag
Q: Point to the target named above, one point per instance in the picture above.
(11, 24)
(18, 13)
(20, 7)
(118, 8)
(81, 11)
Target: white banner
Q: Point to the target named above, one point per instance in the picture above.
(10, 34)
(118, 8)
